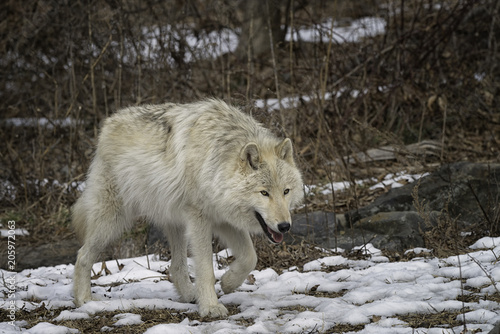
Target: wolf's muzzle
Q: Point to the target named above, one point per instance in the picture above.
(274, 236)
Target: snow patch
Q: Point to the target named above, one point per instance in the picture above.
(331, 30)
(328, 291)
(127, 319)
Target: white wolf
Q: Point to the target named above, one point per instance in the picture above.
(194, 170)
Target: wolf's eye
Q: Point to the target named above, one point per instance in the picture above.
(264, 193)
(286, 191)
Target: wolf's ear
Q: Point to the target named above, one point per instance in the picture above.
(285, 151)
(250, 155)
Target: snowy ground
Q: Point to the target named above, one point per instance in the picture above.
(373, 294)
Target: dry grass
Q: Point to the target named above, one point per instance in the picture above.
(445, 318)
(94, 324)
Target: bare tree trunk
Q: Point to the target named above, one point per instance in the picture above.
(255, 40)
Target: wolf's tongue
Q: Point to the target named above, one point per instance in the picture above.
(277, 237)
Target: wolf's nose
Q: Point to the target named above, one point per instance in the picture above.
(284, 227)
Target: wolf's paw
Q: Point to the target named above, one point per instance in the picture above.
(213, 311)
(186, 290)
(188, 296)
(80, 301)
(227, 284)
(231, 281)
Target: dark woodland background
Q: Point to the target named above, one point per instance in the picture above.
(431, 78)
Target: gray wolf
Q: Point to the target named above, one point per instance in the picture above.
(195, 170)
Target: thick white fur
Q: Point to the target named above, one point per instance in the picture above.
(194, 170)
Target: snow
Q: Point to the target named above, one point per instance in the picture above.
(68, 315)
(4, 233)
(479, 316)
(397, 180)
(479, 76)
(295, 101)
(7, 189)
(127, 319)
(418, 251)
(180, 328)
(210, 45)
(46, 328)
(331, 31)
(372, 292)
(391, 180)
(485, 243)
(200, 45)
(40, 122)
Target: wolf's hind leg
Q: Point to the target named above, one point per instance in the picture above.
(241, 245)
(87, 255)
(103, 222)
(176, 236)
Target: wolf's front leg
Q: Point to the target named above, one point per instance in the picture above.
(200, 238)
(241, 245)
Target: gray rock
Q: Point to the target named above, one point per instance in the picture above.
(462, 188)
(467, 192)
(496, 329)
(318, 227)
(396, 230)
(44, 255)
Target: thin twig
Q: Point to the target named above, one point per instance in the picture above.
(493, 283)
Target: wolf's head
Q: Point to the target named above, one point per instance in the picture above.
(273, 185)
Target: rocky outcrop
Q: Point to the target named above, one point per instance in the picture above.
(467, 193)
(44, 255)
